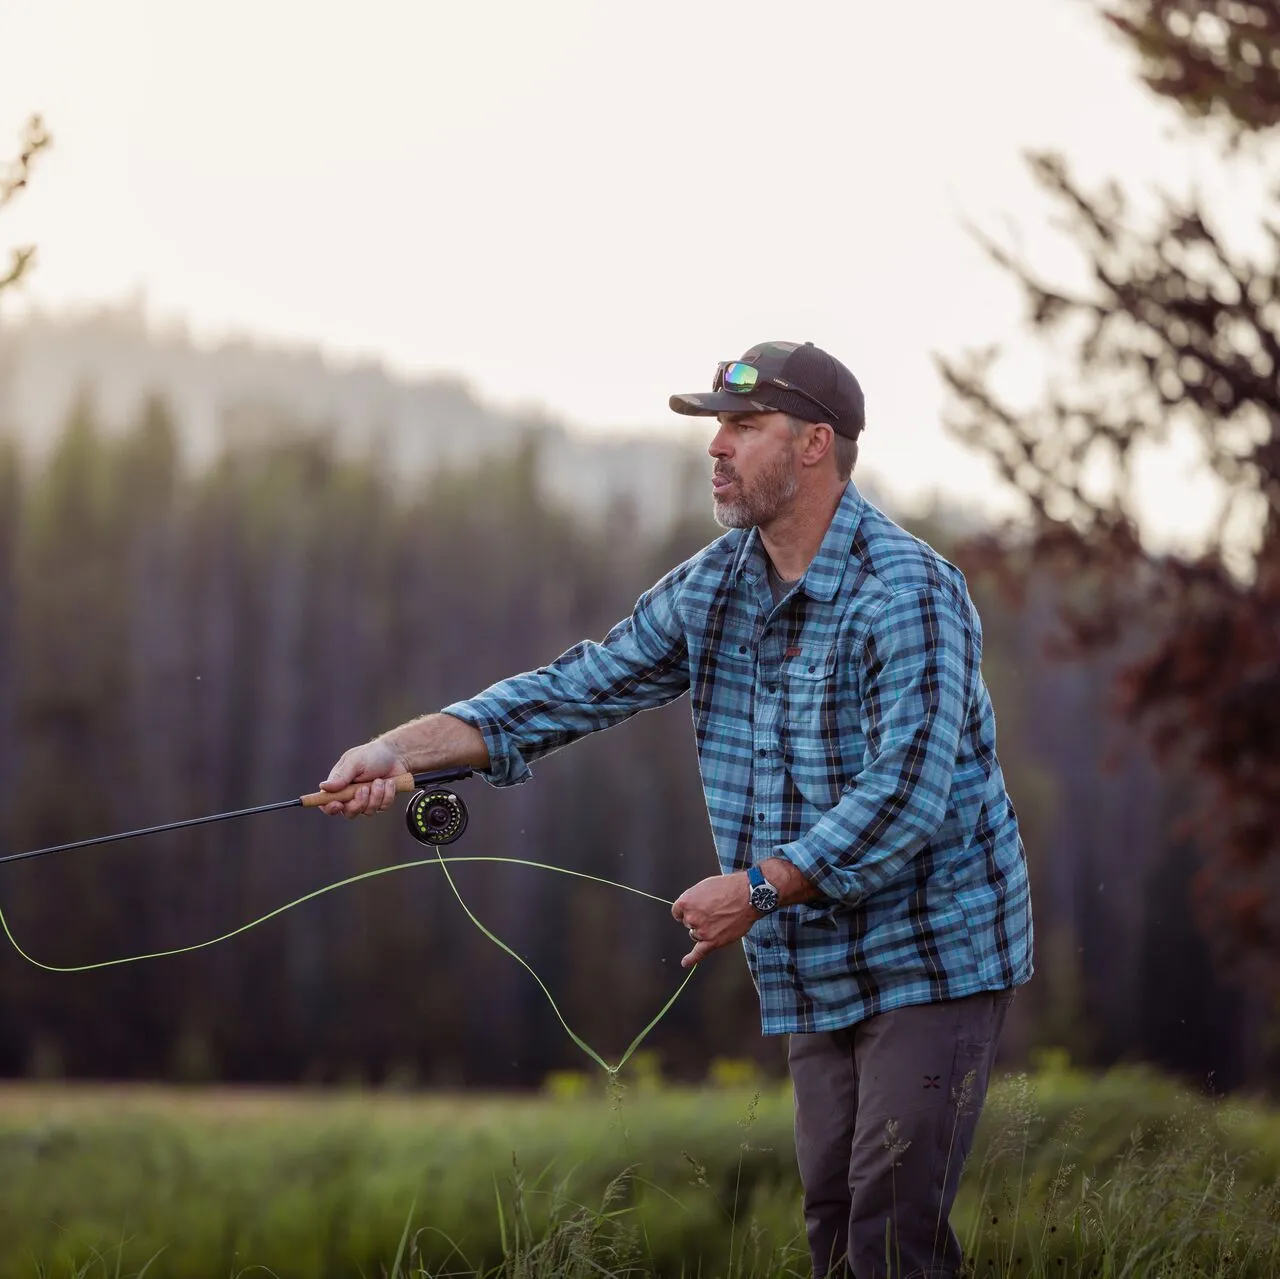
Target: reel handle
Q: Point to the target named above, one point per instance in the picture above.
(401, 782)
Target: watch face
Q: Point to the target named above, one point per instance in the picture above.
(764, 897)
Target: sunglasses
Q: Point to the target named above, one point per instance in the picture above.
(742, 379)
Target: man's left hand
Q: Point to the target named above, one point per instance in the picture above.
(716, 911)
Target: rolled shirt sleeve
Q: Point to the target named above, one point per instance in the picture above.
(920, 663)
(641, 664)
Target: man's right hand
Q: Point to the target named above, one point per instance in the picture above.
(369, 766)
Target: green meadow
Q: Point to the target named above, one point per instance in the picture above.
(1124, 1174)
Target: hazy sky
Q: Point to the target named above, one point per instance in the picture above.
(578, 204)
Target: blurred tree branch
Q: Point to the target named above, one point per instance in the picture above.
(1214, 58)
(1173, 331)
(34, 139)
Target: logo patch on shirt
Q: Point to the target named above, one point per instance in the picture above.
(793, 651)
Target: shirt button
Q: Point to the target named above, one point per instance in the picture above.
(762, 752)
(766, 943)
(772, 688)
(742, 648)
(759, 817)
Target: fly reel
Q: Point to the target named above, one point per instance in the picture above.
(435, 817)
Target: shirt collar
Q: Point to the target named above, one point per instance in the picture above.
(826, 570)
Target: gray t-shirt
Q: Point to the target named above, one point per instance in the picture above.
(778, 585)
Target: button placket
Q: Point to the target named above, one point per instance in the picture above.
(767, 723)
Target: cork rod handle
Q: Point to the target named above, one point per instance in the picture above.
(401, 782)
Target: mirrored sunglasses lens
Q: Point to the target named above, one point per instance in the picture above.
(740, 377)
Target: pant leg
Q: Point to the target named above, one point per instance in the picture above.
(825, 1083)
(922, 1075)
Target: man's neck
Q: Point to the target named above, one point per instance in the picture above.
(792, 540)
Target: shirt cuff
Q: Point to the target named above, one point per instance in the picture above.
(506, 764)
(837, 885)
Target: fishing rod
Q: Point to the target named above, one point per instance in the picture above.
(435, 814)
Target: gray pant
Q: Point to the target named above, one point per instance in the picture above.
(885, 1115)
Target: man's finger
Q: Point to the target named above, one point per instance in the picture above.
(697, 954)
(356, 804)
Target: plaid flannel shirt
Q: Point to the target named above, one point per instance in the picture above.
(847, 729)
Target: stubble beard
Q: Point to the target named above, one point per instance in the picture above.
(773, 489)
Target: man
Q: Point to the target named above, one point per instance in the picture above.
(871, 859)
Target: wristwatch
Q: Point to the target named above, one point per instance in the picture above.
(763, 896)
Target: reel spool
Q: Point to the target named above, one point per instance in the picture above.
(435, 817)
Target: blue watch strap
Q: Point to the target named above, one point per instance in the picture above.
(755, 876)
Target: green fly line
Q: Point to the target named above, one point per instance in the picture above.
(442, 862)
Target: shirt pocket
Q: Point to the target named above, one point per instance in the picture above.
(823, 916)
(812, 731)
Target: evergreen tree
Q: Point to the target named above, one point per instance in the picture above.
(1214, 58)
(1177, 335)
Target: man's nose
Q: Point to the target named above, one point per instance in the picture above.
(719, 446)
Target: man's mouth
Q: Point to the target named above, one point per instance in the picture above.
(720, 480)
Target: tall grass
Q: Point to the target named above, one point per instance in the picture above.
(1120, 1176)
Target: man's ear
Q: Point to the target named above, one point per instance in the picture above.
(818, 444)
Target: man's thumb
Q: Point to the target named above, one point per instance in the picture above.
(339, 776)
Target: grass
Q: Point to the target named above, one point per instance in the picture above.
(1119, 1176)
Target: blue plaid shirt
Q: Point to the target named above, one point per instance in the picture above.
(847, 729)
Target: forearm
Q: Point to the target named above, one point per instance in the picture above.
(437, 741)
(853, 850)
(792, 886)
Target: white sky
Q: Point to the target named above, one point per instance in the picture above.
(577, 204)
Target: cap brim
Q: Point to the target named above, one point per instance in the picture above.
(710, 403)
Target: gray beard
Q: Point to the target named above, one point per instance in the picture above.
(773, 489)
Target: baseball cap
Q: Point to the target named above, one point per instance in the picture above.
(783, 377)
